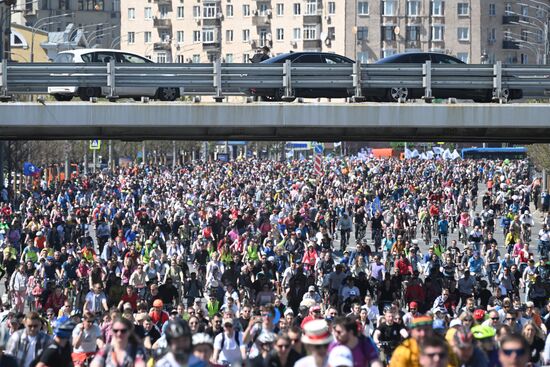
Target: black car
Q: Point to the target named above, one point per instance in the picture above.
(394, 94)
(305, 58)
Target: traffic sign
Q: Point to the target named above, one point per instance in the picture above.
(95, 144)
(319, 149)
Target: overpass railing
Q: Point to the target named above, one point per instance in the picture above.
(223, 79)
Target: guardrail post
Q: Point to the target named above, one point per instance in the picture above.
(497, 81)
(287, 81)
(4, 96)
(427, 81)
(218, 80)
(111, 80)
(357, 81)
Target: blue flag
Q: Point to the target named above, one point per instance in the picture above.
(30, 169)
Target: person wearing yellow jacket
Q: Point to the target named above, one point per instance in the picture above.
(407, 354)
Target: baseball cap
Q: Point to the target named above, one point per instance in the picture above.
(340, 356)
(311, 288)
(479, 314)
(158, 303)
(455, 322)
(413, 305)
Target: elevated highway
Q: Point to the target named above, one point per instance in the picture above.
(521, 123)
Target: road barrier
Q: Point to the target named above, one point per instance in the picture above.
(224, 79)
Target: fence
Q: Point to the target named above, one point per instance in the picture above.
(221, 79)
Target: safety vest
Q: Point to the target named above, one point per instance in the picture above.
(213, 308)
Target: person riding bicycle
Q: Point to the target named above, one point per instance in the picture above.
(86, 339)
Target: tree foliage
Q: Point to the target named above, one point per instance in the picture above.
(540, 155)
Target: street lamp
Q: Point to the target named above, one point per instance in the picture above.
(36, 25)
(74, 31)
(95, 34)
(543, 24)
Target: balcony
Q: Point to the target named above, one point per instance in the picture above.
(510, 45)
(312, 44)
(261, 20)
(164, 2)
(211, 45)
(510, 19)
(162, 46)
(313, 18)
(162, 23)
(212, 21)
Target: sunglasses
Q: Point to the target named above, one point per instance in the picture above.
(518, 352)
(494, 318)
(120, 331)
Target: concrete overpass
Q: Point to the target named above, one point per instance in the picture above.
(521, 123)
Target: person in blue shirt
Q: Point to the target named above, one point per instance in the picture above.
(476, 264)
(443, 227)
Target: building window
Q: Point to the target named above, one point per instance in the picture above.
(131, 13)
(492, 35)
(508, 9)
(180, 59)
(297, 34)
(179, 36)
(148, 13)
(297, 10)
(207, 35)
(362, 57)
(363, 8)
(163, 10)
(437, 32)
(262, 9)
(413, 8)
(524, 34)
(246, 10)
(196, 58)
(412, 33)
(280, 34)
(311, 7)
(95, 5)
(463, 56)
(331, 7)
(463, 33)
(246, 58)
(438, 8)
(229, 58)
(229, 10)
(196, 12)
(131, 38)
(492, 10)
(196, 36)
(161, 58)
(280, 9)
(389, 8)
(209, 11)
(246, 35)
(310, 32)
(524, 59)
(229, 35)
(147, 37)
(463, 9)
(180, 13)
(362, 33)
(388, 33)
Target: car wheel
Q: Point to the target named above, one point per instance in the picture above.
(398, 93)
(62, 97)
(277, 96)
(86, 93)
(167, 94)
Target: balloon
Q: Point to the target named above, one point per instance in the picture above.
(277, 316)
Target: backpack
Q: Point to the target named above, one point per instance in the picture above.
(236, 336)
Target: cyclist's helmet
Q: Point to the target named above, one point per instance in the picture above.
(64, 327)
(483, 332)
(176, 329)
(202, 338)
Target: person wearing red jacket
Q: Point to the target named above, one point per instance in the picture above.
(415, 293)
(310, 257)
(403, 265)
(157, 315)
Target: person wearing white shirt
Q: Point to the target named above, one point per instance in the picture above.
(229, 347)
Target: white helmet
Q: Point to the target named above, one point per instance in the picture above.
(202, 338)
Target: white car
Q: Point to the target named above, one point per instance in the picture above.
(98, 55)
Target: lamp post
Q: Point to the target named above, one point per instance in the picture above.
(542, 25)
(37, 24)
(532, 46)
(95, 34)
(74, 31)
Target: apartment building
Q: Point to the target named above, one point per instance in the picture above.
(98, 19)
(365, 30)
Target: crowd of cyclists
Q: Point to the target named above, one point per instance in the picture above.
(252, 262)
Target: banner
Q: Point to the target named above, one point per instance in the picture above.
(30, 169)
